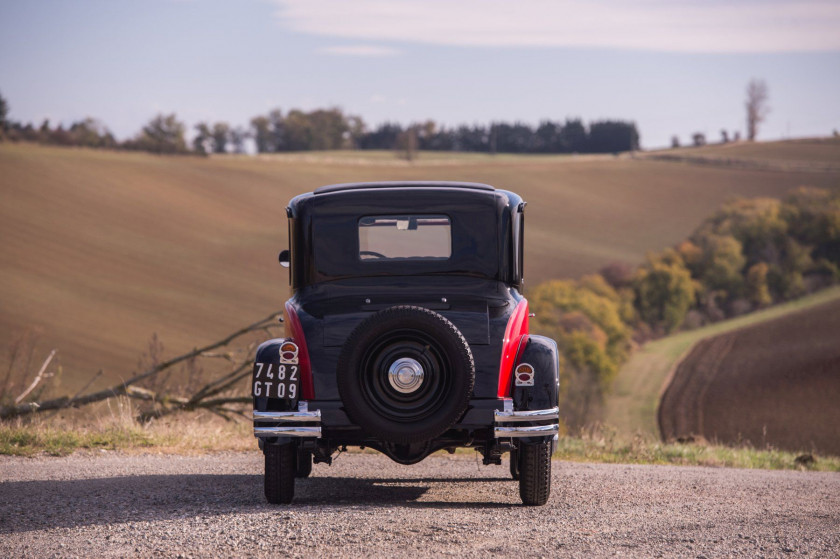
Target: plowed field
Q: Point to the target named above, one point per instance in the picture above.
(101, 249)
(775, 383)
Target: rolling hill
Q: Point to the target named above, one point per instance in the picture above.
(102, 249)
(631, 406)
(774, 383)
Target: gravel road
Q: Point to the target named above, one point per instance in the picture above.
(212, 505)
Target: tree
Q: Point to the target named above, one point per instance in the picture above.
(757, 289)
(612, 136)
(4, 113)
(91, 133)
(201, 142)
(722, 264)
(163, 134)
(756, 105)
(220, 133)
(261, 130)
(237, 136)
(407, 143)
(573, 137)
(664, 291)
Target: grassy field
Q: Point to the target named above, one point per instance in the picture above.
(200, 433)
(102, 249)
(631, 406)
(813, 150)
(809, 154)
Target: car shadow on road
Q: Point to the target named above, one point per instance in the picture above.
(36, 505)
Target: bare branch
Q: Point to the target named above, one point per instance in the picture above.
(122, 388)
(223, 383)
(38, 378)
(227, 356)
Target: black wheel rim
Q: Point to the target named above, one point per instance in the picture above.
(397, 406)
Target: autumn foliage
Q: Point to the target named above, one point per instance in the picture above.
(750, 254)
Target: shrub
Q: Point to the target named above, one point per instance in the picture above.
(664, 291)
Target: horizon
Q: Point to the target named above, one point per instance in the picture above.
(668, 67)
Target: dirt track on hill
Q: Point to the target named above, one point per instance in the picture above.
(366, 505)
(775, 383)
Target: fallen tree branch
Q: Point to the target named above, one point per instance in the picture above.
(179, 404)
(38, 378)
(122, 388)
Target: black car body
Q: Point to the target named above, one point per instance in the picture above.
(406, 333)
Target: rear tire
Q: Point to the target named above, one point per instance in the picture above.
(535, 473)
(304, 464)
(280, 466)
(514, 464)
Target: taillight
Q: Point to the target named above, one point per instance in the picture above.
(295, 331)
(515, 333)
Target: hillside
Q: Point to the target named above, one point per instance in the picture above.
(631, 406)
(776, 383)
(103, 249)
(806, 155)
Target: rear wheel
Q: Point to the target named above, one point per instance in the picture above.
(514, 464)
(280, 466)
(304, 464)
(535, 473)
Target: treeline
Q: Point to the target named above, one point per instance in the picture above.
(332, 129)
(88, 133)
(163, 134)
(749, 255)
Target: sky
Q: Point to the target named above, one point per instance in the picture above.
(675, 67)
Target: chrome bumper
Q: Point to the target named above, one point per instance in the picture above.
(287, 423)
(549, 422)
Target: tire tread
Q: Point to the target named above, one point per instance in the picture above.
(280, 469)
(535, 473)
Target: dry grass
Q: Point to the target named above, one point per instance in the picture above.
(603, 445)
(112, 427)
(813, 150)
(191, 434)
(102, 249)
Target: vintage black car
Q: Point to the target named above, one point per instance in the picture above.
(406, 333)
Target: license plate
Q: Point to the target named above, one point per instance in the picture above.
(276, 380)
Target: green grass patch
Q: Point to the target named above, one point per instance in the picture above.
(610, 449)
(631, 405)
(29, 440)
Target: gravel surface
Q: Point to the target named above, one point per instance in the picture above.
(122, 505)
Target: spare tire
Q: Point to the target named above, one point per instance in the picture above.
(405, 375)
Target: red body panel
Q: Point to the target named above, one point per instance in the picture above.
(515, 332)
(296, 333)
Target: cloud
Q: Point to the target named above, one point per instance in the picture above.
(714, 26)
(359, 50)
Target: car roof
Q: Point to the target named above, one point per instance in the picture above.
(403, 184)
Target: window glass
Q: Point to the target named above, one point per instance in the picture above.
(405, 237)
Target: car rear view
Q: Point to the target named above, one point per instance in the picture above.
(406, 333)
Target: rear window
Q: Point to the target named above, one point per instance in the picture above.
(405, 237)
